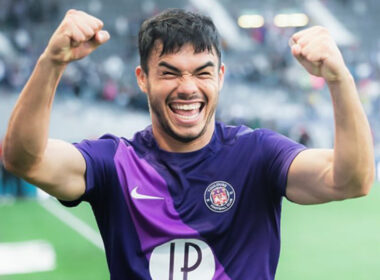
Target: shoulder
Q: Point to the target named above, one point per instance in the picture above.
(107, 142)
(260, 141)
(230, 133)
(242, 133)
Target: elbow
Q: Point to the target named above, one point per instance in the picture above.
(13, 168)
(7, 163)
(368, 180)
(20, 164)
(366, 184)
(16, 166)
(8, 159)
(358, 187)
(362, 190)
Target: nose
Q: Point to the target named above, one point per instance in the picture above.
(187, 86)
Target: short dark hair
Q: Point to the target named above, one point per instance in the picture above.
(175, 28)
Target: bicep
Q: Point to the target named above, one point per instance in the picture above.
(61, 172)
(310, 177)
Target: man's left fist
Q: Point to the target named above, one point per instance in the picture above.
(318, 53)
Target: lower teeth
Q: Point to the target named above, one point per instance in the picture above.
(187, 117)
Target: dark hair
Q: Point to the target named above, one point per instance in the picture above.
(175, 28)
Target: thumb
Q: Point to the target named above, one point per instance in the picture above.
(297, 53)
(101, 37)
(296, 50)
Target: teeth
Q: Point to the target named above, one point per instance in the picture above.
(187, 107)
(188, 117)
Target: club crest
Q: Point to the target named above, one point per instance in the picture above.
(219, 196)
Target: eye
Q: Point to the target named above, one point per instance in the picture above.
(204, 74)
(166, 73)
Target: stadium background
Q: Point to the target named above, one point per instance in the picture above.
(264, 87)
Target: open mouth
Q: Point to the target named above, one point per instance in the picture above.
(188, 111)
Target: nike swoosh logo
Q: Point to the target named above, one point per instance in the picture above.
(137, 195)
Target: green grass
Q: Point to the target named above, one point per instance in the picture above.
(77, 259)
(339, 240)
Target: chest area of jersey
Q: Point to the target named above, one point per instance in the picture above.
(169, 197)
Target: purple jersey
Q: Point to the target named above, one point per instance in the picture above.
(208, 214)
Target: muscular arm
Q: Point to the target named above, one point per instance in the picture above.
(55, 166)
(347, 171)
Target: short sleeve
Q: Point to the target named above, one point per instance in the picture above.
(279, 152)
(98, 155)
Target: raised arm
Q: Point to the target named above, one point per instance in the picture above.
(53, 165)
(347, 171)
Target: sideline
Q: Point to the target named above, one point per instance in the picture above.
(72, 221)
(26, 257)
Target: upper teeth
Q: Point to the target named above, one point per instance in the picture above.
(193, 106)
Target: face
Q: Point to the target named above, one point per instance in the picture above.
(182, 89)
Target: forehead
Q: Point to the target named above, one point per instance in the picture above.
(185, 55)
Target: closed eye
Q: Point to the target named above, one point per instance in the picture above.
(169, 74)
(204, 74)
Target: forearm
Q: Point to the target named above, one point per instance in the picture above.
(28, 128)
(353, 164)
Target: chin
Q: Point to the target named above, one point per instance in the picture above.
(186, 135)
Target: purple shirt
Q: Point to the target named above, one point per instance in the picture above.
(208, 214)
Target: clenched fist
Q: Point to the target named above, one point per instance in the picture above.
(316, 50)
(76, 37)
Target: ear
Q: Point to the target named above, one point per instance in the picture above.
(221, 76)
(142, 79)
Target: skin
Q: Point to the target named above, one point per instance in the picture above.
(175, 81)
(347, 171)
(182, 78)
(53, 165)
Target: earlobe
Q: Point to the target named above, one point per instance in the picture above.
(141, 79)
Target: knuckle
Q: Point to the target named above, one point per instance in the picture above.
(302, 43)
(100, 23)
(89, 34)
(82, 37)
(71, 11)
(81, 13)
(309, 57)
(79, 37)
(323, 30)
(66, 24)
(325, 45)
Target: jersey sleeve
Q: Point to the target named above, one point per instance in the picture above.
(279, 152)
(98, 155)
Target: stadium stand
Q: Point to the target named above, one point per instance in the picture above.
(264, 86)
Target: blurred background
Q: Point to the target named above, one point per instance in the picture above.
(264, 87)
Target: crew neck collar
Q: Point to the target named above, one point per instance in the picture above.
(210, 147)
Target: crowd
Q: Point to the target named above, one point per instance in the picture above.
(110, 77)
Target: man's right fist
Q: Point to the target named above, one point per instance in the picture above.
(77, 36)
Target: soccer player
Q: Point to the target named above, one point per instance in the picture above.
(188, 197)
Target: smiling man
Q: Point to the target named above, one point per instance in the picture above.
(182, 89)
(188, 197)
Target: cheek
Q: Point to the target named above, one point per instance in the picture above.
(209, 87)
(162, 88)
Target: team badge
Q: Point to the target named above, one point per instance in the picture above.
(219, 196)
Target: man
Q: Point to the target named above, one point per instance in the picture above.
(188, 198)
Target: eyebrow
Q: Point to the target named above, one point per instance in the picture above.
(175, 69)
(171, 67)
(208, 64)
